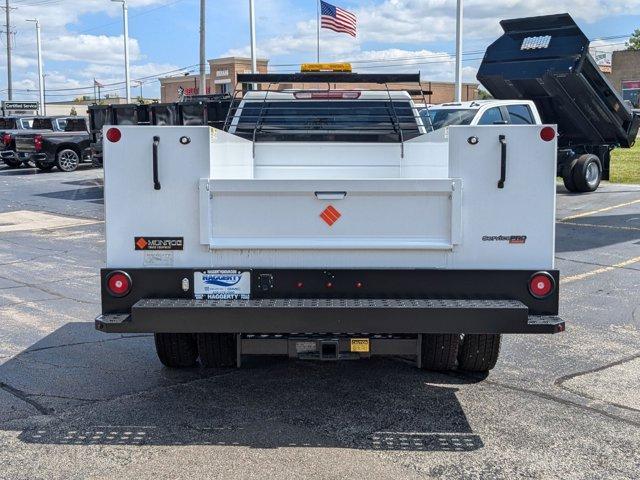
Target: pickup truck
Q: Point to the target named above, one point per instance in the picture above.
(329, 225)
(63, 149)
(9, 127)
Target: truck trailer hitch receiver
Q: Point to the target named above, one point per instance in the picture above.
(156, 181)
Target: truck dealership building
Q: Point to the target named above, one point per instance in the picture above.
(224, 71)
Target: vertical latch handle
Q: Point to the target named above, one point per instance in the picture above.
(156, 181)
(503, 160)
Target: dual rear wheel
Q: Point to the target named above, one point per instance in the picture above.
(181, 350)
(583, 174)
(470, 352)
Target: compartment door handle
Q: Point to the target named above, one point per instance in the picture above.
(503, 160)
(156, 181)
(330, 195)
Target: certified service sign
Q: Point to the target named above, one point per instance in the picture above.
(222, 285)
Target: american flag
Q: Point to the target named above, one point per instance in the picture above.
(337, 19)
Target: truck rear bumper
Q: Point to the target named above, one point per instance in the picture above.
(374, 316)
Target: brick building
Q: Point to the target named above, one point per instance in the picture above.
(625, 75)
(225, 70)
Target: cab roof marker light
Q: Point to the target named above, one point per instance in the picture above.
(328, 95)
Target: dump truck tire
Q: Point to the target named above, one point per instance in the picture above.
(439, 351)
(587, 173)
(567, 177)
(217, 349)
(177, 350)
(479, 352)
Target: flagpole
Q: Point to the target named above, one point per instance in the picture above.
(318, 22)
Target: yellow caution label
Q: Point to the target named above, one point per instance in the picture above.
(325, 67)
(360, 345)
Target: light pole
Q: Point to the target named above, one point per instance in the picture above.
(125, 17)
(203, 55)
(9, 80)
(252, 27)
(459, 51)
(44, 93)
(40, 66)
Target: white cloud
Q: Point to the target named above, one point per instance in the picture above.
(91, 48)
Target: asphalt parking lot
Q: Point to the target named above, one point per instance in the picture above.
(75, 403)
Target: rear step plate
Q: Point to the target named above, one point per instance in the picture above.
(334, 315)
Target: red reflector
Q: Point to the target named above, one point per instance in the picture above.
(118, 284)
(541, 285)
(547, 134)
(37, 142)
(6, 139)
(114, 135)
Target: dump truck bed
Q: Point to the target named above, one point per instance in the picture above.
(546, 59)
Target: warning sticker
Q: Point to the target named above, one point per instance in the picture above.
(222, 285)
(360, 345)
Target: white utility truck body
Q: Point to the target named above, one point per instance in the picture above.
(390, 245)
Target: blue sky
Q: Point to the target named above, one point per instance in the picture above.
(82, 38)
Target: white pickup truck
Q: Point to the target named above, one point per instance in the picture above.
(580, 172)
(330, 225)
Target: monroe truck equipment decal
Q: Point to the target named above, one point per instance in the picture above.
(159, 243)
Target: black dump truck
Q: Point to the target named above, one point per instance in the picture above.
(546, 59)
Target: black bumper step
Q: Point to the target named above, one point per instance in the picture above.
(319, 315)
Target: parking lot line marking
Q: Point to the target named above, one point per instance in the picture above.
(614, 227)
(597, 271)
(600, 210)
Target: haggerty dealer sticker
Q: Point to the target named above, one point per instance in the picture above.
(158, 243)
(222, 285)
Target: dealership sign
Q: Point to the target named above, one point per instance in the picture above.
(10, 105)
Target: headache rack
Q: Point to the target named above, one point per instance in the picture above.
(317, 115)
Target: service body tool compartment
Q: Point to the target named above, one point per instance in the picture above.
(330, 214)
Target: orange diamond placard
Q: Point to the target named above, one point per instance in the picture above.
(141, 243)
(330, 215)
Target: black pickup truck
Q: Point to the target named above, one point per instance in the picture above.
(63, 149)
(9, 127)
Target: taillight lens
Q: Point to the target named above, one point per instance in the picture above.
(37, 142)
(541, 285)
(114, 135)
(547, 134)
(118, 283)
(6, 139)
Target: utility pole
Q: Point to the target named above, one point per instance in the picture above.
(44, 94)
(125, 18)
(203, 45)
(7, 10)
(40, 66)
(459, 17)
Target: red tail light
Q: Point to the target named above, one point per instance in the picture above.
(114, 135)
(6, 139)
(118, 283)
(328, 95)
(37, 142)
(547, 134)
(541, 285)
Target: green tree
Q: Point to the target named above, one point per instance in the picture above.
(634, 40)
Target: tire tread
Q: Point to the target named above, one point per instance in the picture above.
(440, 351)
(217, 349)
(479, 352)
(176, 350)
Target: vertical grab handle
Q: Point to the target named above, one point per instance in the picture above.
(503, 160)
(156, 181)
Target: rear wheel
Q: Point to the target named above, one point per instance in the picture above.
(217, 349)
(12, 163)
(479, 352)
(439, 351)
(567, 177)
(67, 160)
(587, 173)
(177, 350)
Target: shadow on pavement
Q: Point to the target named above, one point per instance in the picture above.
(109, 390)
(89, 193)
(587, 233)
